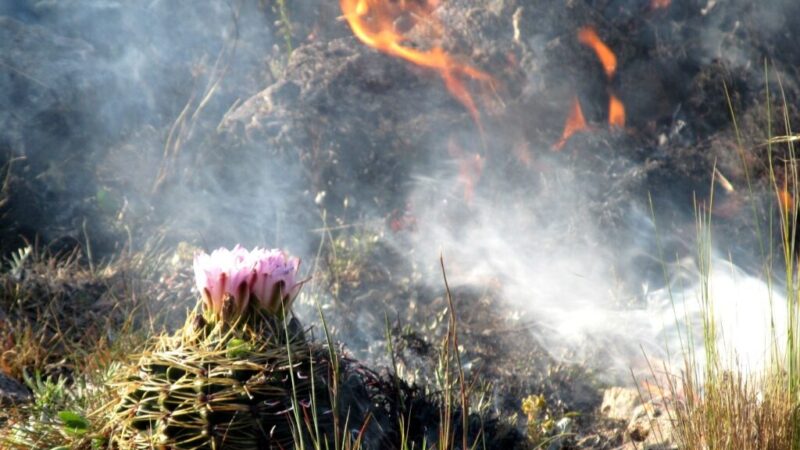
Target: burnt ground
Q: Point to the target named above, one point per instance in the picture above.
(105, 158)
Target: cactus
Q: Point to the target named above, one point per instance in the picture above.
(212, 386)
(232, 376)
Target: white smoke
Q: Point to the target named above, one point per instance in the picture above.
(594, 299)
(750, 315)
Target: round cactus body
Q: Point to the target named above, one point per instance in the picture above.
(214, 387)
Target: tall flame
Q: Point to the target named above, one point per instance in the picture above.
(616, 110)
(588, 36)
(373, 23)
(575, 122)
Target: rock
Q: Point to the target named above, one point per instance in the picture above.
(12, 391)
(619, 403)
(651, 427)
(562, 432)
(649, 424)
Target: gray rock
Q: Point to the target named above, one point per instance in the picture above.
(619, 403)
(651, 427)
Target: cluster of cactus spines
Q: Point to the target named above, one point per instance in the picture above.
(230, 378)
(217, 387)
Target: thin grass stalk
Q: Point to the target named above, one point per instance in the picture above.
(295, 403)
(334, 385)
(453, 331)
(775, 348)
(793, 297)
(703, 229)
(745, 167)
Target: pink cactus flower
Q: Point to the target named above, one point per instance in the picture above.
(269, 276)
(274, 283)
(224, 273)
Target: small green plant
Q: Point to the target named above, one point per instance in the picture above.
(61, 413)
(544, 426)
(540, 422)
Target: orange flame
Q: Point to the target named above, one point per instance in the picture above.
(588, 36)
(785, 198)
(616, 112)
(660, 4)
(786, 201)
(373, 23)
(575, 122)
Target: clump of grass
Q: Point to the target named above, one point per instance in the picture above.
(68, 324)
(61, 308)
(735, 410)
(55, 309)
(714, 406)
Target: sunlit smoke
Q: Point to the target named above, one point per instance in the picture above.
(750, 314)
(557, 269)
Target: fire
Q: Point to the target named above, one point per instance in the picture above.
(588, 36)
(616, 112)
(786, 200)
(373, 23)
(785, 197)
(575, 122)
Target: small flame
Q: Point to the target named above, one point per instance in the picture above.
(785, 199)
(588, 36)
(616, 109)
(616, 112)
(660, 4)
(575, 122)
(373, 23)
